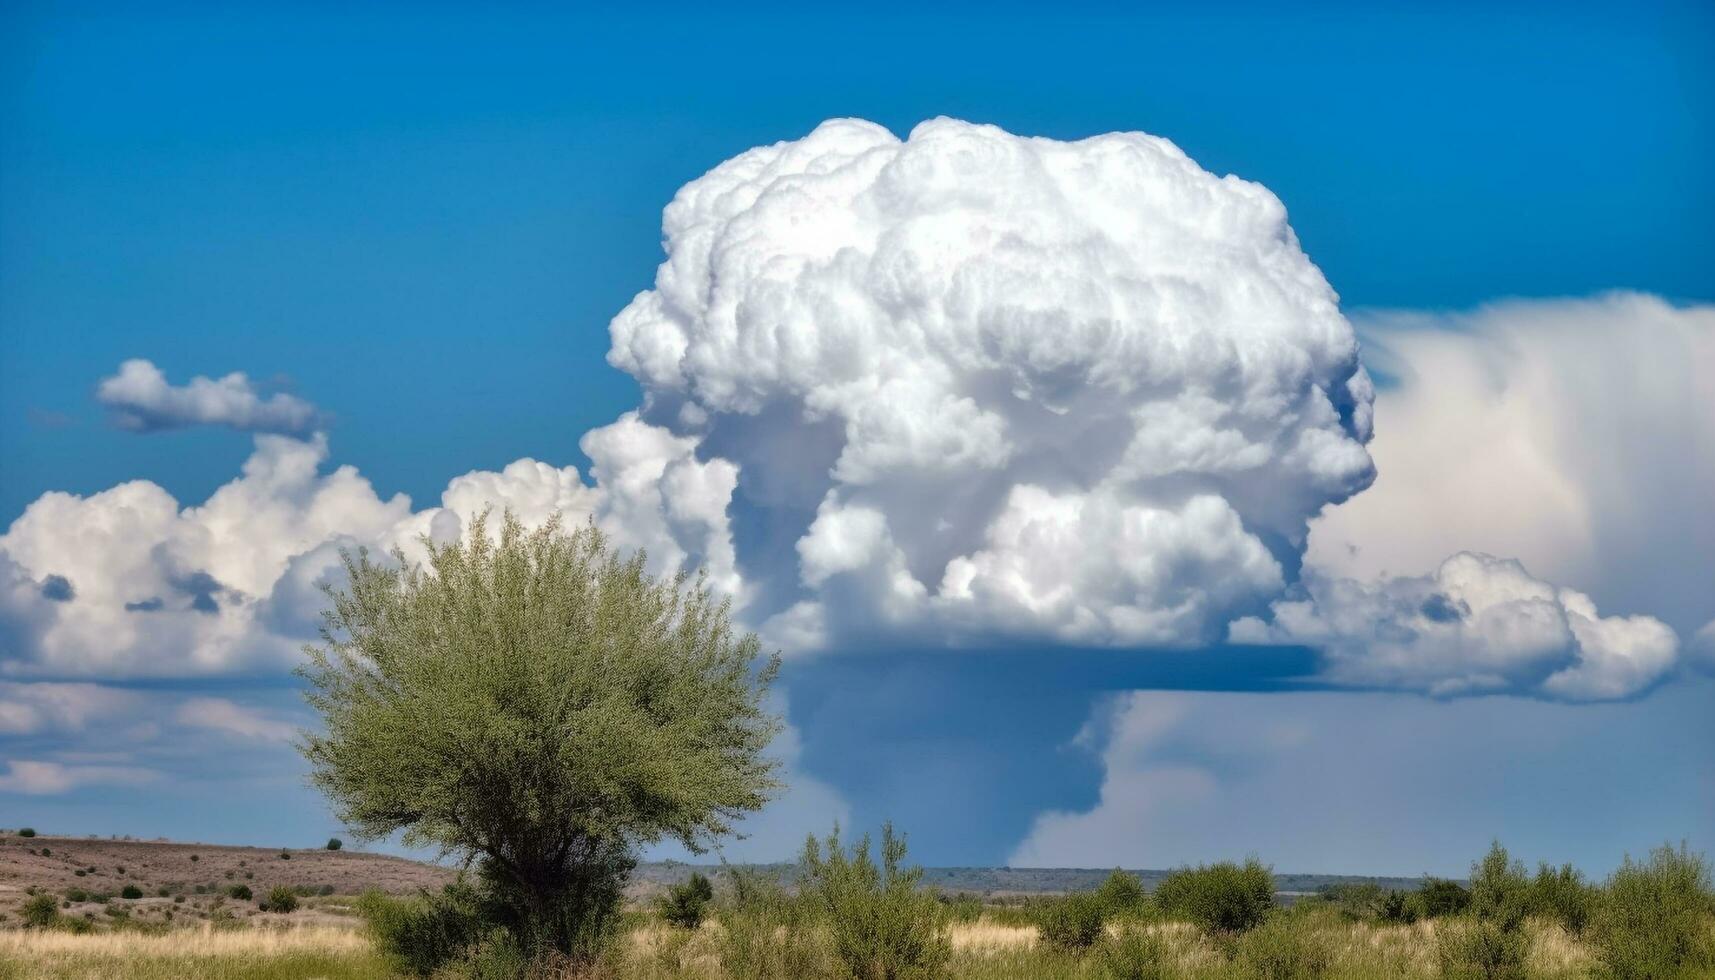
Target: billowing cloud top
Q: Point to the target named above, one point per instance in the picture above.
(969, 388)
(140, 398)
(989, 385)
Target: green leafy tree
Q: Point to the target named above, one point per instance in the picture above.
(1121, 893)
(1653, 917)
(541, 706)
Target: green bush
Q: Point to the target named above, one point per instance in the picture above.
(40, 912)
(1137, 954)
(879, 923)
(334, 843)
(421, 935)
(1441, 896)
(285, 855)
(1122, 894)
(1224, 897)
(239, 892)
(1481, 949)
(1355, 901)
(1071, 923)
(1400, 908)
(74, 925)
(1500, 888)
(963, 907)
(1652, 919)
(685, 903)
(280, 899)
(1563, 896)
(1284, 948)
(27, 832)
(131, 892)
(77, 895)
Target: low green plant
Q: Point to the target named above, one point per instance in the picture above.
(422, 934)
(1439, 897)
(881, 925)
(27, 832)
(131, 892)
(239, 892)
(1071, 923)
(77, 895)
(334, 843)
(40, 912)
(1285, 947)
(280, 899)
(1223, 897)
(685, 903)
(1137, 954)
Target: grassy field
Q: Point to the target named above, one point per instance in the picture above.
(982, 950)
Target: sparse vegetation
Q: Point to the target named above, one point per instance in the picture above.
(280, 899)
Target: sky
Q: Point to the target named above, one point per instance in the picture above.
(1352, 510)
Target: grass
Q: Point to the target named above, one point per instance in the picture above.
(255, 953)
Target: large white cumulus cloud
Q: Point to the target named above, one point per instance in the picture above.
(231, 584)
(993, 386)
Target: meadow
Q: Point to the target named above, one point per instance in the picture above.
(841, 915)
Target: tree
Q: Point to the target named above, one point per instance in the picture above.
(334, 843)
(684, 904)
(541, 706)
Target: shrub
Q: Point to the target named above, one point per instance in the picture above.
(80, 872)
(1441, 896)
(1071, 923)
(239, 892)
(1563, 896)
(131, 892)
(1137, 954)
(963, 907)
(880, 923)
(1284, 948)
(1224, 897)
(1652, 919)
(40, 912)
(1400, 908)
(195, 859)
(280, 899)
(1121, 893)
(75, 926)
(285, 855)
(27, 832)
(1481, 949)
(77, 895)
(1356, 901)
(684, 903)
(47, 853)
(334, 843)
(1500, 888)
(421, 935)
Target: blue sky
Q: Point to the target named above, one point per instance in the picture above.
(422, 219)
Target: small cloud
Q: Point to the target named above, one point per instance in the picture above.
(147, 605)
(38, 778)
(221, 715)
(58, 588)
(140, 399)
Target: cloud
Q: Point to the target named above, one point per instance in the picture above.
(30, 709)
(982, 387)
(1380, 783)
(232, 584)
(1576, 435)
(32, 777)
(1478, 624)
(221, 715)
(140, 398)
